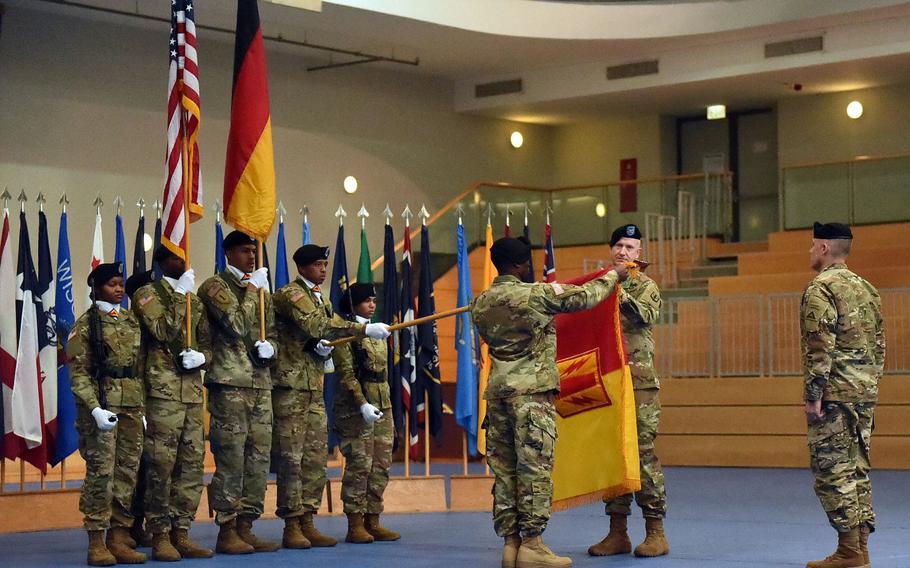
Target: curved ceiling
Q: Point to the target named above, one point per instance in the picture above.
(566, 20)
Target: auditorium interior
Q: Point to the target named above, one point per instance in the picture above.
(722, 128)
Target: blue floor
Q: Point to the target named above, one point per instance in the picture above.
(719, 518)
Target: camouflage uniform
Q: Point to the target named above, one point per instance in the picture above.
(174, 442)
(843, 344)
(516, 320)
(639, 308)
(240, 397)
(300, 422)
(112, 457)
(367, 448)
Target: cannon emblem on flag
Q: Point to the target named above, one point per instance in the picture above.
(581, 384)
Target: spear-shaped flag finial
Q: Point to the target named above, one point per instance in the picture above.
(527, 212)
(118, 203)
(388, 214)
(459, 212)
(22, 199)
(41, 200)
(141, 205)
(549, 210)
(64, 200)
(341, 214)
(423, 214)
(5, 196)
(157, 206)
(490, 213)
(281, 211)
(363, 214)
(216, 208)
(305, 211)
(406, 215)
(98, 202)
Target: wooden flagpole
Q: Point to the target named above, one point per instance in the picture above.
(426, 436)
(464, 452)
(407, 444)
(187, 197)
(259, 261)
(402, 325)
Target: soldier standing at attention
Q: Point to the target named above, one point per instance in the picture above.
(516, 320)
(363, 422)
(103, 352)
(173, 378)
(843, 345)
(240, 394)
(305, 323)
(639, 308)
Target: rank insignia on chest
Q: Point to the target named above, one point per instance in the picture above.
(581, 384)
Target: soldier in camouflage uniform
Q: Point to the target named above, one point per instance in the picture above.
(240, 394)
(639, 308)
(305, 322)
(173, 378)
(516, 320)
(363, 422)
(109, 420)
(843, 345)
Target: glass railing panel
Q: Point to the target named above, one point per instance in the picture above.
(820, 192)
(881, 190)
(576, 218)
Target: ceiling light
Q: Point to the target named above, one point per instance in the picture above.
(517, 139)
(600, 210)
(350, 184)
(717, 112)
(855, 109)
(147, 242)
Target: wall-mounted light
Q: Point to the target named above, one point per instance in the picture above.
(600, 210)
(855, 109)
(516, 139)
(147, 242)
(350, 184)
(717, 112)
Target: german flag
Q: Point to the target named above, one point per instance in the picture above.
(249, 171)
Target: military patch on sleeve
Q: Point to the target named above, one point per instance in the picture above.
(145, 299)
(557, 287)
(297, 297)
(73, 333)
(215, 289)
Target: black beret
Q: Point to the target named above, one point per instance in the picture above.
(829, 231)
(308, 254)
(357, 293)
(104, 272)
(161, 254)
(237, 239)
(137, 281)
(625, 232)
(512, 250)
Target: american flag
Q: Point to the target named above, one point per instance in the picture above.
(549, 261)
(182, 127)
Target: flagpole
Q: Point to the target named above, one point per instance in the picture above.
(464, 451)
(412, 323)
(424, 215)
(259, 261)
(187, 197)
(407, 443)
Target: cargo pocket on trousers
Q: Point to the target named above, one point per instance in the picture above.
(542, 434)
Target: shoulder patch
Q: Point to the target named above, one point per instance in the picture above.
(73, 333)
(557, 287)
(215, 289)
(145, 299)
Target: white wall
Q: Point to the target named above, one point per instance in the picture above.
(83, 111)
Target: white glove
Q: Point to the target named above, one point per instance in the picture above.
(191, 359)
(370, 413)
(145, 424)
(377, 330)
(323, 349)
(264, 349)
(105, 419)
(260, 278)
(186, 282)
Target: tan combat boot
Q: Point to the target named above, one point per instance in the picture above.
(379, 532)
(533, 553)
(163, 550)
(98, 554)
(229, 542)
(118, 543)
(510, 550)
(847, 555)
(617, 540)
(357, 533)
(864, 532)
(655, 543)
(293, 536)
(180, 538)
(245, 532)
(310, 531)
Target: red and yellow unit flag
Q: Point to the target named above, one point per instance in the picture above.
(249, 171)
(486, 364)
(597, 450)
(182, 187)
